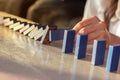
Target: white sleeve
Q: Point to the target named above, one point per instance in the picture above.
(115, 22)
(95, 8)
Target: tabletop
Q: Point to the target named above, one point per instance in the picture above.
(22, 58)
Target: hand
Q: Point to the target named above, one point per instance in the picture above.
(95, 29)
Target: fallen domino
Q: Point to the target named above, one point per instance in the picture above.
(6, 19)
(58, 34)
(35, 31)
(1, 20)
(39, 33)
(10, 22)
(44, 34)
(14, 25)
(25, 27)
(45, 37)
(29, 29)
(18, 27)
(37, 27)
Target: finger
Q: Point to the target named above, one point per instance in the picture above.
(91, 20)
(86, 22)
(91, 28)
(88, 29)
(96, 34)
(92, 40)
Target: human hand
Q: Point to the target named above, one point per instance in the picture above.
(95, 29)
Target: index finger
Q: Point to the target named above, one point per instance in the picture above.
(91, 20)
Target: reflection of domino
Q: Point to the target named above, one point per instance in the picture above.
(14, 25)
(24, 28)
(29, 30)
(19, 26)
(37, 26)
(39, 34)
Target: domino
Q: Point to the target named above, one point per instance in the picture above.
(29, 30)
(68, 41)
(39, 34)
(37, 27)
(113, 58)
(6, 19)
(45, 37)
(10, 22)
(18, 27)
(1, 20)
(34, 30)
(58, 34)
(43, 34)
(25, 28)
(98, 52)
(81, 45)
(14, 25)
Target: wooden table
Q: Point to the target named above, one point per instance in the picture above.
(22, 58)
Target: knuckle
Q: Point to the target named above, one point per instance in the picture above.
(96, 18)
(102, 24)
(80, 24)
(84, 30)
(102, 32)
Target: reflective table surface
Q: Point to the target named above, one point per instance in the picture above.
(22, 58)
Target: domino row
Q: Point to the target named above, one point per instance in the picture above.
(50, 33)
(99, 48)
(34, 30)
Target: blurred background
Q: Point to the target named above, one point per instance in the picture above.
(63, 13)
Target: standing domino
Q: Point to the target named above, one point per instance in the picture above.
(113, 58)
(81, 45)
(98, 52)
(68, 41)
